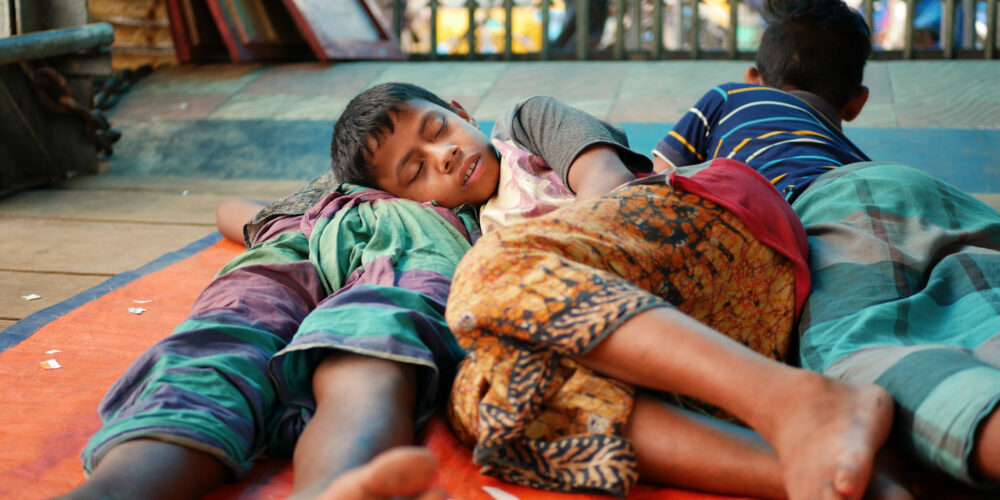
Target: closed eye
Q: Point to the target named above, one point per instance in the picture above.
(444, 123)
(416, 173)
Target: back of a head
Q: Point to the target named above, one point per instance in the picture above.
(364, 122)
(819, 46)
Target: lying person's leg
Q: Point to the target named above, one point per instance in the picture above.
(369, 365)
(826, 434)
(402, 471)
(985, 454)
(986, 451)
(152, 469)
(193, 409)
(686, 449)
(374, 359)
(924, 323)
(689, 449)
(946, 404)
(849, 425)
(591, 282)
(364, 406)
(188, 414)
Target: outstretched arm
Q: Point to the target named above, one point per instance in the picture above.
(232, 215)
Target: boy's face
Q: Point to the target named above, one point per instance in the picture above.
(438, 154)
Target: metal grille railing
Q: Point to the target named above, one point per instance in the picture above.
(668, 29)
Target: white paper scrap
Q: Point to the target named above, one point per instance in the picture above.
(50, 364)
(499, 494)
(33, 296)
(137, 310)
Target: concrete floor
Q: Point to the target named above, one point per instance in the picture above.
(194, 136)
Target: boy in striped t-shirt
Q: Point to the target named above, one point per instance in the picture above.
(785, 121)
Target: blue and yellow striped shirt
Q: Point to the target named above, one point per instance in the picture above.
(783, 137)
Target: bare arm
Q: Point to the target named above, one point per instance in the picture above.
(590, 155)
(597, 170)
(231, 215)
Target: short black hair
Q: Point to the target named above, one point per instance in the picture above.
(369, 116)
(819, 46)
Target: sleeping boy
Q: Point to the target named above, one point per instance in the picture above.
(326, 341)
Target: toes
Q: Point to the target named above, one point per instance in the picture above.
(400, 471)
(830, 493)
(845, 481)
(435, 494)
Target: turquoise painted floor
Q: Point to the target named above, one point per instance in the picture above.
(274, 122)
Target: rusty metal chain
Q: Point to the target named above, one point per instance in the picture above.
(109, 91)
(55, 94)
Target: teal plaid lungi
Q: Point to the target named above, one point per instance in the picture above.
(906, 294)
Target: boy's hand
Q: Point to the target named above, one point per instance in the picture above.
(661, 164)
(596, 171)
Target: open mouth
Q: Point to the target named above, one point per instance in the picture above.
(471, 169)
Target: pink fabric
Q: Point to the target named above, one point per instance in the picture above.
(528, 188)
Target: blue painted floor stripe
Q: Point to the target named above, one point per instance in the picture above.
(966, 158)
(23, 329)
(299, 149)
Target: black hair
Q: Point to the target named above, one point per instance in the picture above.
(365, 121)
(819, 46)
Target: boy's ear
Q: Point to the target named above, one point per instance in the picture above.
(752, 75)
(460, 111)
(853, 107)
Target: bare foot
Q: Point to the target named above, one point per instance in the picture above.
(406, 471)
(827, 438)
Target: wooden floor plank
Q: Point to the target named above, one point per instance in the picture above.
(68, 238)
(88, 248)
(53, 288)
(247, 188)
(114, 206)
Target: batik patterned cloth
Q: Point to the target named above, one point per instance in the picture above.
(559, 284)
(906, 294)
(360, 272)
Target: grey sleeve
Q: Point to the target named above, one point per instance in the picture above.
(559, 133)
